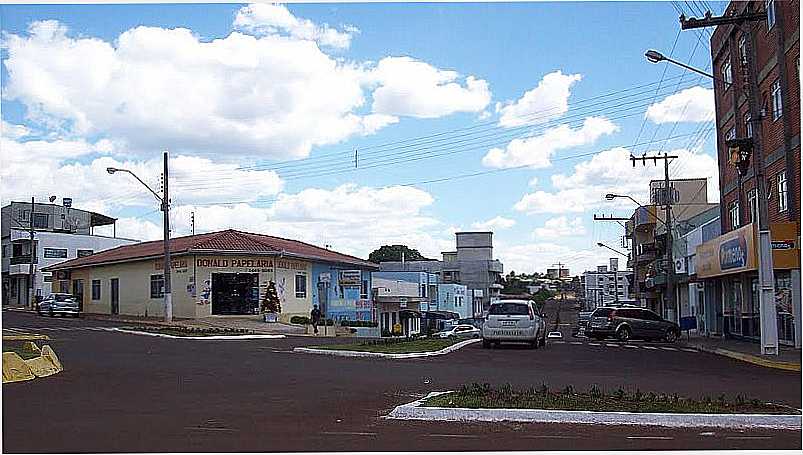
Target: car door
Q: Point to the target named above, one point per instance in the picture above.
(653, 322)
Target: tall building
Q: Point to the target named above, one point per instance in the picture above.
(607, 285)
(471, 264)
(60, 233)
(757, 95)
(555, 274)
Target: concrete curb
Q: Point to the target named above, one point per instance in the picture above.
(415, 411)
(213, 337)
(756, 360)
(410, 355)
(15, 369)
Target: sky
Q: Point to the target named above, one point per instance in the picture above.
(359, 125)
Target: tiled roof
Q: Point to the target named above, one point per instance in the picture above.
(228, 241)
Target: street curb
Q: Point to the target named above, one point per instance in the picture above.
(213, 337)
(409, 355)
(788, 366)
(415, 411)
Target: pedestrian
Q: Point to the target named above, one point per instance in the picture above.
(315, 315)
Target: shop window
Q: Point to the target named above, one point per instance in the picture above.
(770, 7)
(364, 289)
(782, 192)
(157, 286)
(96, 290)
(777, 101)
(301, 286)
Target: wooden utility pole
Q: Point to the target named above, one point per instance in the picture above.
(168, 298)
(31, 253)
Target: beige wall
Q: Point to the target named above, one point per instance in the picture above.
(134, 284)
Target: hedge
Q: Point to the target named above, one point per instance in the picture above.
(359, 324)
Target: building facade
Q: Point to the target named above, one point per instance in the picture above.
(60, 233)
(220, 273)
(398, 306)
(607, 285)
(426, 282)
(757, 100)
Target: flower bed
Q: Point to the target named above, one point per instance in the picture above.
(483, 396)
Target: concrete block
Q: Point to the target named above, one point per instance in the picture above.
(48, 353)
(15, 369)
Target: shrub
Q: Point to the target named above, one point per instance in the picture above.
(303, 320)
(358, 324)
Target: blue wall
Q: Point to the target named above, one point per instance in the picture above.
(341, 303)
(446, 299)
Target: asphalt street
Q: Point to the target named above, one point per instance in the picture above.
(129, 393)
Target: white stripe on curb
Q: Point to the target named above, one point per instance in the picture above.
(214, 337)
(410, 355)
(415, 411)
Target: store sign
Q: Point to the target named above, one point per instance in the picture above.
(783, 245)
(60, 253)
(729, 253)
(325, 277)
(174, 264)
(18, 234)
(350, 278)
(249, 263)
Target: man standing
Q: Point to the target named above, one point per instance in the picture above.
(315, 315)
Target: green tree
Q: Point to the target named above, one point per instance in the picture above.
(394, 253)
(270, 301)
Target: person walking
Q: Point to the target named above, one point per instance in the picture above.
(315, 315)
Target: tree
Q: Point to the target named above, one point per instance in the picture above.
(388, 253)
(271, 302)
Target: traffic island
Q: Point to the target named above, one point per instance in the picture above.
(26, 361)
(392, 348)
(542, 405)
(195, 333)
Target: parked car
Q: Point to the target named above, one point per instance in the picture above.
(63, 304)
(630, 322)
(513, 321)
(461, 331)
(582, 323)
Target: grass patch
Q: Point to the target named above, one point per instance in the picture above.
(181, 331)
(478, 396)
(26, 354)
(395, 346)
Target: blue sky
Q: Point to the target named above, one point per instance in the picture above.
(258, 104)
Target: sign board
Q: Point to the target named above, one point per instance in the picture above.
(783, 244)
(55, 253)
(402, 302)
(67, 202)
(477, 292)
(62, 275)
(733, 252)
(350, 278)
(19, 234)
(325, 277)
(397, 328)
(680, 265)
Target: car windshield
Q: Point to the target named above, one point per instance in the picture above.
(601, 313)
(62, 297)
(509, 309)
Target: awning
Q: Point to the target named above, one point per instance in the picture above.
(409, 314)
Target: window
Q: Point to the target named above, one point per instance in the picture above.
(777, 101)
(4, 250)
(770, 7)
(55, 252)
(731, 134)
(301, 286)
(727, 74)
(157, 286)
(743, 49)
(748, 124)
(40, 220)
(96, 289)
(364, 290)
(733, 213)
(752, 203)
(23, 215)
(84, 253)
(782, 200)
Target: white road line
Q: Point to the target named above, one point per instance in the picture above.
(464, 436)
(211, 429)
(558, 342)
(668, 349)
(630, 346)
(649, 347)
(689, 350)
(748, 437)
(575, 342)
(612, 345)
(594, 344)
(348, 433)
(707, 433)
(547, 436)
(660, 438)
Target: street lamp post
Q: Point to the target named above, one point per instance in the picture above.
(165, 207)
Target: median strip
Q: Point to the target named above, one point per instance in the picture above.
(399, 350)
(199, 337)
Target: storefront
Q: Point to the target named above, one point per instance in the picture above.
(729, 263)
(221, 273)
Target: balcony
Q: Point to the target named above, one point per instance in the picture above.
(24, 259)
(495, 266)
(645, 217)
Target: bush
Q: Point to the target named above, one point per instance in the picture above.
(303, 320)
(358, 324)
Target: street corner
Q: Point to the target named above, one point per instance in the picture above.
(26, 361)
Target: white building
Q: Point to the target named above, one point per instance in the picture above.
(60, 233)
(398, 304)
(607, 285)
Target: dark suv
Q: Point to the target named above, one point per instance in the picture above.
(629, 322)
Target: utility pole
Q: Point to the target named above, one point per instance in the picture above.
(766, 279)
(31, 289)
(168, 299)
(192, 222)
(667, 200)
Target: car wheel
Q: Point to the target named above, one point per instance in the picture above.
(76, 315)
(671, 336)
(534, 344)
(623, 334)
(486, 344)
(51, 314)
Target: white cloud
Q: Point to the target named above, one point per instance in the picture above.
(547, 101)
(695, 104)
(538, 256)
(409, 87)
(533, 182)
(494, 224)
(610, 172)
(536, 151)
(11, 131)
(267, 19)
(560, 227)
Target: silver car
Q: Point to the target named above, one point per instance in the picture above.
(63, 304)
(513, 321)
(460, 331)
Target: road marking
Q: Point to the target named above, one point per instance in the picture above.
(660, 438)
(594, 344)
(347, 433)
(612, 345)
(558, 342)
(575, 342)
(689, 350)
(546, 436)
(464, 436)
(211, 429)
(707, 433)
(630, 346)
(649, 347)
(668, 349)
(748, 437)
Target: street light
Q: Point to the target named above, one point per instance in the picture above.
(656, 57)
(600, 244)
(612, 196)
(165, 207)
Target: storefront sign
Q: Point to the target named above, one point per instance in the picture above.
(729, 253)
(174, 264)
(325, 277)
(785, 248)
(783, 245)
(350, 278)
(250, 263)
(733, 253)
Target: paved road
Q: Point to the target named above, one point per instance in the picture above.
(128, 393)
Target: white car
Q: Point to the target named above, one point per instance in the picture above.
(513, 321)
(461, 330)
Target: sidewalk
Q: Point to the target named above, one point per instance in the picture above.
(788, 358)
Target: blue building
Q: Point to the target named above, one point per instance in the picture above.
(454, 299)
(343, 293)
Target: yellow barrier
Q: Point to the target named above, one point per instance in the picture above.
(15, 369)
(48, 353)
